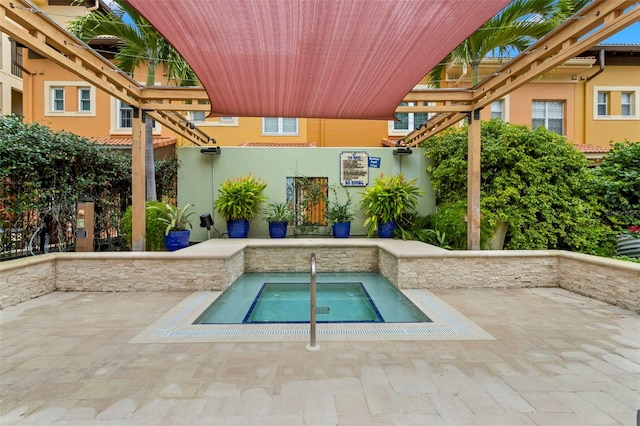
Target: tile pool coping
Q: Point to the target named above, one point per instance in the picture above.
(176, 326)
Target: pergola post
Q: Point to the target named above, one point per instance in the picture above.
(473, 181)
(137, 182)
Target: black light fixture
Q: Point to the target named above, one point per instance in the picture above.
(212, 150)
(402, 151)
(206, 221)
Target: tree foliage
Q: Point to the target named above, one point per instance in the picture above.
(534, 180)
(514, 29)
(44, 173)
(617, 183)
(140, 44)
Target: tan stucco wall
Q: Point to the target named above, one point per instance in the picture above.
(601, 132)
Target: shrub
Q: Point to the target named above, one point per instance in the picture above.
(154, 228)
(44, 174)
(534, 180)
(617, 183)
(240, 197)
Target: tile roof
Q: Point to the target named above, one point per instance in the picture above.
(281, 144)
(127, 141)
(586, 148)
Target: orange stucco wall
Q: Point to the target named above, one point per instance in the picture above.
(36, 87)
(519, 103)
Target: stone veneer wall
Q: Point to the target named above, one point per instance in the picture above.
(388, 267)
(296, 259)
(612, 281)
(25, 279)
(488, 269)
(138, 272)
(233, 269)
(609, 280)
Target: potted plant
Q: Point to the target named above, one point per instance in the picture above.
(339, 216)
(178, 224)
(238, 201)
(387, 200)
(278, 215)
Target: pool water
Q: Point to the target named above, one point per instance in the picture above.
(335, 302)
(284, 298)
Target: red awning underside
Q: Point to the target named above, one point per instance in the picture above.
(313, 58)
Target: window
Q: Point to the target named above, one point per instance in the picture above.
(309, 198)
(626, 104)
(121, 119)
(197, 116)
(125, 115)
(280, 126)
(616, 102)
(603, 103)
(407, 121)
(549, 114)
(84, 99)
(497, 109)
(57, 99)
(227, 119)
(16, 59)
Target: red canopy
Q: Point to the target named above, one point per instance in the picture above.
(313, 58)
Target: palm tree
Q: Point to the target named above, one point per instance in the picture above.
(140, 44)
(513, 30)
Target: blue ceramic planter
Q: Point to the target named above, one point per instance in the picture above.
(341, 229)
(385, 229)
(177, 240)
(238, 228)
(278, 229)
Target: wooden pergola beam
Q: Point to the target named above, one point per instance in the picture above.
(596, 22)
(33, 29)
(176, 122)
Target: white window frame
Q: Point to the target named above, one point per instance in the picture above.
(505, 107)
(82, 90)
(116, 129)
(280, 131)
(49, 86)
(192, 116)
(635, 102)
(605, 103)
(546, 114)
(393, 131)
(632, 110)
(123, 107)
(55, 91)
(499, 102)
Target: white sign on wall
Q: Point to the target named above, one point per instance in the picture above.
(354, 168)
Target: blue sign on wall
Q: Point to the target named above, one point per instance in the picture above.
(374, 162)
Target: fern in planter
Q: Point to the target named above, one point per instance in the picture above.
(337, 211)
(239, 201)
(279, 212)
(278, 215)
(388, 199)
(240, 198)
(175, 218)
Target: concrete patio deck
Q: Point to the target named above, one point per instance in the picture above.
(557, 358)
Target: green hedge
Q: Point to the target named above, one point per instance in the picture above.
(534, 180)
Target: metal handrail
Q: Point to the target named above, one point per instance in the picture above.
(312, 346)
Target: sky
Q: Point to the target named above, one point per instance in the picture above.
(631, 34)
